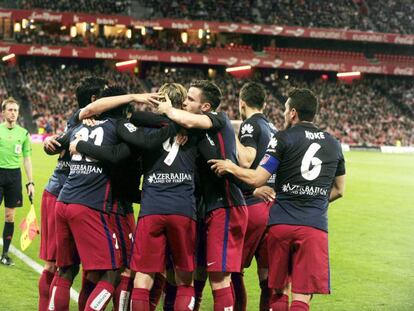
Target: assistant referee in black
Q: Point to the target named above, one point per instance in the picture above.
(14, 144)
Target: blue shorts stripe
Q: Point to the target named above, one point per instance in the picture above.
(225, 240)
(121, 237)
(109, 239)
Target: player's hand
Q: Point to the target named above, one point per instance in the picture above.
(221, 167)
(162, 105)
(30, 190)
(147, 98)
(181, 138)
(73, 144)
(89, 122)
(265, 193)
(50, 144)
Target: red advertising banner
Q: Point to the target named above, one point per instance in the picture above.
(271, 30)
(267, 61)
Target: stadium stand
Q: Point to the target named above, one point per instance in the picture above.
(366, 15)
(93, 6)
(359, 113)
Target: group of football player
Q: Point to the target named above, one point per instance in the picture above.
(209, 200)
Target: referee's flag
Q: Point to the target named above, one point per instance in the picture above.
(29, 228)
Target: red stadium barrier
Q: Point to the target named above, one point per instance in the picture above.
(226, 59)
(272, 30)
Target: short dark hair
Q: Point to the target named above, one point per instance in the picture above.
(119, 111)
(305, 103)
(253, 94)
(88, 87)
(210, 92)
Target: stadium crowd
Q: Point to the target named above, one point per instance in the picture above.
(357, 113)
(383, 16)
(368, 15)
(167, 42)
(92, 6)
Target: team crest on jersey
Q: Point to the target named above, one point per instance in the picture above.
(247, 129)
(272, 143)
(130, 127)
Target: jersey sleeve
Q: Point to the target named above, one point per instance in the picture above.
(274, 153)
(109, 153)
(249, 134)
(276, 146)
(206, 147)
(340, 169)
(149, 119)
(145, 139)
(27, 147)
(218, 119)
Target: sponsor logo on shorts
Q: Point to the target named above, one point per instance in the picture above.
(210, 263)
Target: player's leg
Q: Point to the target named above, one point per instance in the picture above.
(200, 279)
(13, 198)
(170, 287)
(226, 228)
(67, 260)
(200, 274)
(181, 236)
(103, 291)
(125, 228)
(98, 247)
(122, 295)
(279, 243)
(157, 290)
(47, 247)
(148, 258)
(310, 266)
(89, 281)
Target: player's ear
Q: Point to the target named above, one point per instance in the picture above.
(93, 98)
(205, 107)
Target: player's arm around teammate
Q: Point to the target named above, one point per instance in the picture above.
(14, 143)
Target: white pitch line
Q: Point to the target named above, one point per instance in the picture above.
(74, 295)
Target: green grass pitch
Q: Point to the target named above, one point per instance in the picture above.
(371, 240)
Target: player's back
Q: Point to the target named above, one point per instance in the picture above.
(88, 182)
(221, 192)
(309, 161)
(256, 132)
(169, 173)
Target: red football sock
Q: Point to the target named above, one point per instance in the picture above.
(223, 299)
(122, 294)
(59, 299)
(279, 302)
(265, 294)
(44, 285)
(240, 295)
(170, 294)
(198, 289)
(140, 299)
(185, 299)
(156, 290)
(100, 297)
(87, 288)
(55, 277)
(299, 306)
